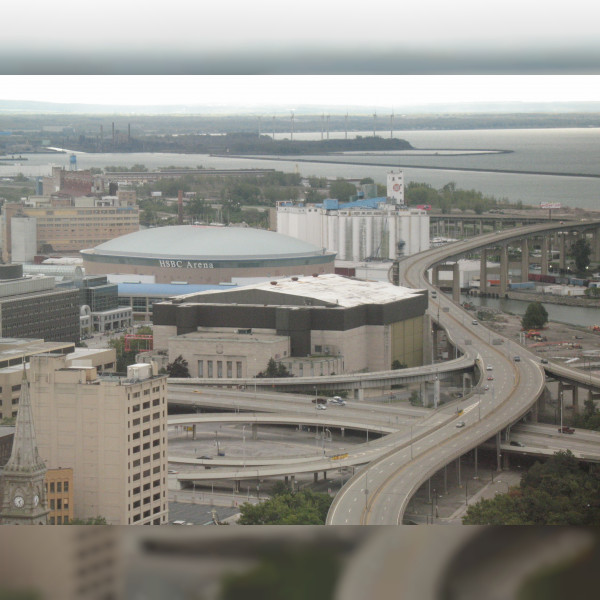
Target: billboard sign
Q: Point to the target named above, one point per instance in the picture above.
(550, 205)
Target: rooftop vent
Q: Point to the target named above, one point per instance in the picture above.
(315, 274)
(273, 283)
(294, 279)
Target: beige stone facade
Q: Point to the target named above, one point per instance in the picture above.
(111, 431)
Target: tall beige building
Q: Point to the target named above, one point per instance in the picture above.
(112, 431)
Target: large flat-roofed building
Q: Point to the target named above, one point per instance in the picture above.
(198, 254)
(32, 307)
(68, 224)
(329, 323)
(112, 431)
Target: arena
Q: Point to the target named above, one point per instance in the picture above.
(206, 255)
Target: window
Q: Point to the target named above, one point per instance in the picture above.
(146, 404)
(200, 368)
(52, 521)
(209, 368)
(52, 487)
(66, 520)
(229, 369)
(238, 369)
(59, 487)
(219, 369)
(66, 486)
(52, 504)
(59, 504)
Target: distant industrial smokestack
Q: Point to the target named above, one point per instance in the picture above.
(180, 206)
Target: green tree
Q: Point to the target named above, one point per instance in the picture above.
(581, 253)
(275, 369)
(558, 492)
(91, 521)
(178, 368)
(287, 508)
(536, 316)
(396, 364)
(342, 190)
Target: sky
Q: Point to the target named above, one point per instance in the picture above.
(290, 91)
(307, 37)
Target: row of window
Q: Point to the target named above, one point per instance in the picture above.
(61, 486)
(59, 520)
(61, 504)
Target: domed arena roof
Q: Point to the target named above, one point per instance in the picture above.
(207, 243)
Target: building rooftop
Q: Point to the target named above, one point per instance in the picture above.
(167, 289)
(195, 242)
(333, 290)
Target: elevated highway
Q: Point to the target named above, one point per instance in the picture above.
(380, 493)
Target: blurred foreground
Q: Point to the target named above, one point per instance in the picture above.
(297, 563)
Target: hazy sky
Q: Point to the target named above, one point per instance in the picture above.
(310, 36)
(393, 91)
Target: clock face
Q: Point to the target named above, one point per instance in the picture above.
(19, 502)
(396, 187)
(36, 500)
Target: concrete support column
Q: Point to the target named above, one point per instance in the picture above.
(483, 287)
(498, 456)
(193, 432)
(324, 474)
(595, 255)
(458, 469)
(254, 431)
(461, 228)
(544, 263)
(480, 226)
(343, 432)
(436, 393)
(534, 412)
(315, 477)
(456, 282)
(237, 486)
(503, 270)
(359, 394)
(562, 239)
(506, 461)
(285, 479)
(524, 260)
(427, 340)
(575, 400)
(435, 275)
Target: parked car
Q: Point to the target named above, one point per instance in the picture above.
(519, 444)
(566, 429)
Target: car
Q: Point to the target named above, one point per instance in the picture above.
(544, 361)
(517, 359)
(486, 387)
(205, 458)
(566, 429)
(519, 444)
(490, 368)
(475, 322)
(490, 378)
(321, 407)
(460, 424)
(319, 401)
(173, 472)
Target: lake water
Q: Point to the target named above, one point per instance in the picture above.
(573, 315)
(544, 165)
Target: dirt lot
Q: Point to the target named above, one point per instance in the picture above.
(563, 342)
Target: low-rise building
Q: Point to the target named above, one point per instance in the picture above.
(59, 494)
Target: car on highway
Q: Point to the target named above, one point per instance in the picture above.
(321, 407)
(566, 429)
(460, 424)
(490, 368)
(490, 378)
(517, 359)
(486, 387)
(475, 322)
(544, 361)
(337, 400)
(519, 444)
(319, 401)
(205, 458)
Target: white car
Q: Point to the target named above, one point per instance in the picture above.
(460, 424)
(321, 407)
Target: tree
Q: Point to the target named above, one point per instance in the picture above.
(536, 316)
(287, 508)
(342, 190)
(178, 368)
(91, 521)
(396, 364)
(581, 253)
(558, 492)
(275, 369)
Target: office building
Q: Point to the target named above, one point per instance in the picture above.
(112, 431)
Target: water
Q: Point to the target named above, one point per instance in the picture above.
(571, 315)
(567, 151)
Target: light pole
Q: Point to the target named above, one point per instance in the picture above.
(244, 443)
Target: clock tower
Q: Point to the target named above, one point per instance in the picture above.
(23, 496)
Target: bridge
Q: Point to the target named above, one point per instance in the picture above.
(379, 494)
